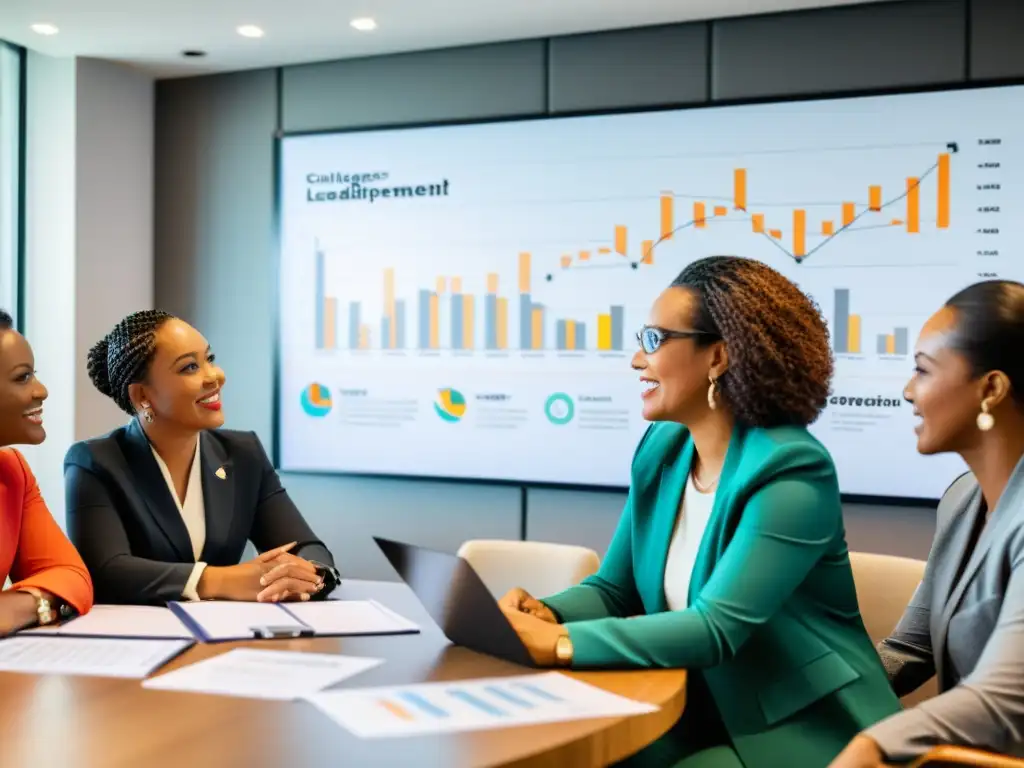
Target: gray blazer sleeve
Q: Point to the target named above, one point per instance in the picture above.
(907, 653)
(986, 710)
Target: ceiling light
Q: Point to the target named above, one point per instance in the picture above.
(250, 30)
(45, 29)
(364, 24)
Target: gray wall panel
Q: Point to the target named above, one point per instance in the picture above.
(842, 49)
(631, 68)
(997, 39)
(457, 84)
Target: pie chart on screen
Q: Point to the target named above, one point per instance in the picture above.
(316, 400)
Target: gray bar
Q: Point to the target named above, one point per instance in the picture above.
(560, 334)
(491, 321)
(581, 335)
(320, 299)
(882, 339)
(425, 319)
(400, 324)
(617, 328)
(353, 325)
(385, 333)
(456, 321)
(841, 321)
(902, 347)
(525, 309)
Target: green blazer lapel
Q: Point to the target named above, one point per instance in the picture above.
(666, 509)
(716, 535)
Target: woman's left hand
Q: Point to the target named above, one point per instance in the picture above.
(862, 752)
(539, 636)
(289, 577)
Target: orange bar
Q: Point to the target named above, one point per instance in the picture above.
(699, 218)
(667, 215)
(875, 197)
(896, 222)
(721, 210)
(456, 285)
(502, 323)
(570, 334)
(364, 337)
(739, 189)
(524, 272)
(440, 286)
(389, 308)
(396, 710)
(620, 240)
(584, 255)
(828, 228)
(799, 233)
(913, 204)
(566, 261)
(536, 327)
(758, 221)
(890, 345)
(435, 322)
(853, 335)
(646, 254)
(776, 233)
(492, 283)
(330, 322)
(604, 250)
(467, 321)
(849, 214)
(942, 218)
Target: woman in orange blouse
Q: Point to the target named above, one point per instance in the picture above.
(50, 579)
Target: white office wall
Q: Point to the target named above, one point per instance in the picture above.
(89, 236)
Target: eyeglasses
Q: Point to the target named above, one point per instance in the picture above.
(651, 337)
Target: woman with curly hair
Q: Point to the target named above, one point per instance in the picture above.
(730, 557)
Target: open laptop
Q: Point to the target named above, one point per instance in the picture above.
(456, 599)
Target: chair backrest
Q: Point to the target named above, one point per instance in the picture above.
(885, 584)
(540, 568)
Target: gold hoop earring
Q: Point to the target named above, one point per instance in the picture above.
(711, 394)
(985, 419)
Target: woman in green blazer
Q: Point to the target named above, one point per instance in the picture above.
(730, 558)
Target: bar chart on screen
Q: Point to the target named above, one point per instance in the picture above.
(512, 264)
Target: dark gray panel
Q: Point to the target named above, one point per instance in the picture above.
(997, 34)
(916, 42)
(454, 84)
(583, 518)
(214, 203)
(629, 68)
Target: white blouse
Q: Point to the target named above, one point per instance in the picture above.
(193, 512)
(694, 513)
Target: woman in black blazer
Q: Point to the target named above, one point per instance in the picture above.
(161, 509)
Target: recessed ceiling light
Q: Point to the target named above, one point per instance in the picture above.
(364, 24)
(45, 29)
(250, 30)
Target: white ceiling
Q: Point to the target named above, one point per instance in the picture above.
(151, 34)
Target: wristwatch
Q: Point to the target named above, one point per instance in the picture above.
(44, 612)
(563, 650)
(328, 575)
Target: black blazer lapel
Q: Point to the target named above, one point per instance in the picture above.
(218, 495)
(153, 488)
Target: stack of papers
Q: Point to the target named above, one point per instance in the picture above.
(139, 621)
(471, 705)
(263, 674)
(87, 656)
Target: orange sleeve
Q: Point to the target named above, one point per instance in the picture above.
(45, 558)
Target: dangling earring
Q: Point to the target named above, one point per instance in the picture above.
(711, 394)
(985, 419)
(147, 413)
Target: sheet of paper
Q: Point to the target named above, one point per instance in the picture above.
(470, 705)
(87, 656)
(226, 620)
(140, 621)
(350, 617)
(261, 674)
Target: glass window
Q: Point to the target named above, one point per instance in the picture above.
(11, 62)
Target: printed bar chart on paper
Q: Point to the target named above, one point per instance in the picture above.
(471, 705)
(464, 303)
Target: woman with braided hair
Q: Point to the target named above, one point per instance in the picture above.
(161, 509)
(730, 558)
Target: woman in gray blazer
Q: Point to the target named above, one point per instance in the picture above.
(965, 623)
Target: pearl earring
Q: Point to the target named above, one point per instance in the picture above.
(147, 413)
(711, 394)
(985, 419)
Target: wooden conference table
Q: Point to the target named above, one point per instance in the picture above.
(79, 722)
